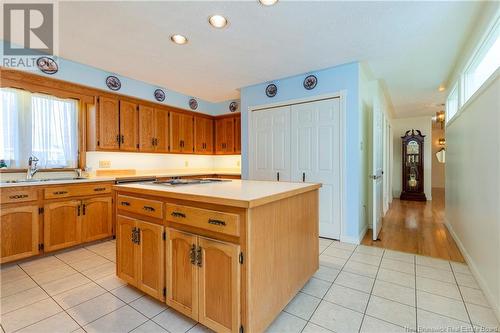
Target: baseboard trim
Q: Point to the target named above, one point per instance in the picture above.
(355, 240)
(475, 272)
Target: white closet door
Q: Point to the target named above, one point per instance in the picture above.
(315, 157)
(271, 146)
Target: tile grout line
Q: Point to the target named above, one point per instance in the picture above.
(463, 300)
(371, 292)
(331, 285)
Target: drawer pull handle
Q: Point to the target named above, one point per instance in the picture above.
(199, 257)
(216, 222)
(148, 208)
(125, 203)
(99, 189)
(60, 192)
(178, 214)
(18, 196)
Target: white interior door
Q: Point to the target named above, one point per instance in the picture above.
(377, 169)
(271, 147)
(315, 157)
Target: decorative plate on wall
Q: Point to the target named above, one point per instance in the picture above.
(159, 95)
(271, 90)
(233, 106)
(47, 65)
(193, 104)
(113, 83)
(310, 82)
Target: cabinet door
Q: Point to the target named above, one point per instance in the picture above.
(128, 126)
(109, 121)
(126, 249)
(187, 134)
(19, 233)
(175, 132)
(237, 134)
(182, 279)
(209, 136)
(203, 135)
(219, 285)
(224, 136)
(151, 256)
(161, 131)
(146, 129)
(62, 225)
(96, 219)
(199, 135)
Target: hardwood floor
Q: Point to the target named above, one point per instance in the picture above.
(417, 227)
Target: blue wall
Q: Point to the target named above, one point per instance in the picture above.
(93, 77)
(340, 78)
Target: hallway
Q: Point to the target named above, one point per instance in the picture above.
(417, 227)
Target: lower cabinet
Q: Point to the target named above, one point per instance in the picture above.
(71, 222)
(62, 225)
(19, 236)
(203, 280)
(97, 219)
(141, 255)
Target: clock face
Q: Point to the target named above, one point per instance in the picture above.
(412, 147)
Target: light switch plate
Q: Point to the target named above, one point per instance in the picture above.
(104, 164)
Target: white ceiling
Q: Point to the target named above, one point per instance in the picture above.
(411, 46)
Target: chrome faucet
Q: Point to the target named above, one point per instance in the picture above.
(32, 169)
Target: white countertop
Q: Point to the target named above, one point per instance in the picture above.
(160, 173)
(240, 193)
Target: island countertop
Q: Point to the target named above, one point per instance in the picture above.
(237, 193)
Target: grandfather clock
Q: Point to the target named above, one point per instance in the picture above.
(413, 166)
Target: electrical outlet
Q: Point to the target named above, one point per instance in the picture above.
(186, 164)
(238, 163)
(104, 164)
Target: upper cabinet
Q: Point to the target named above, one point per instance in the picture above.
(112, 125)
(128, 126)
(181, 133)
(203, 135)
(153, 130)
(121, 124)
(228, 135)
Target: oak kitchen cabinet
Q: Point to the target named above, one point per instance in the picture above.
(47, 218)
(222, 250)
(112, 125)
(153, 130)
(181, 133)
(140, 255)
(228, 134)
(203, 135)
(203, 280)
(20, 236)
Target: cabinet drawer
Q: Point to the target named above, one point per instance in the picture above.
(212, 220)
(11, 195)
(76, 190)
(141, 206)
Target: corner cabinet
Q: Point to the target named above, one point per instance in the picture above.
(203, 280)
(19, 234)
(228, 134)
(140, 255)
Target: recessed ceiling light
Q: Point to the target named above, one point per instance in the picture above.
(441, 88)
(268, 2)
(179, 39)
(217, 21)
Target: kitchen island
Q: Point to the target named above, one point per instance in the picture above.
(228, 254)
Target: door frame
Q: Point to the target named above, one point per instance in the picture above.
(339, 94)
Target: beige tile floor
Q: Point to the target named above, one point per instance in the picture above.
(357, 289)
